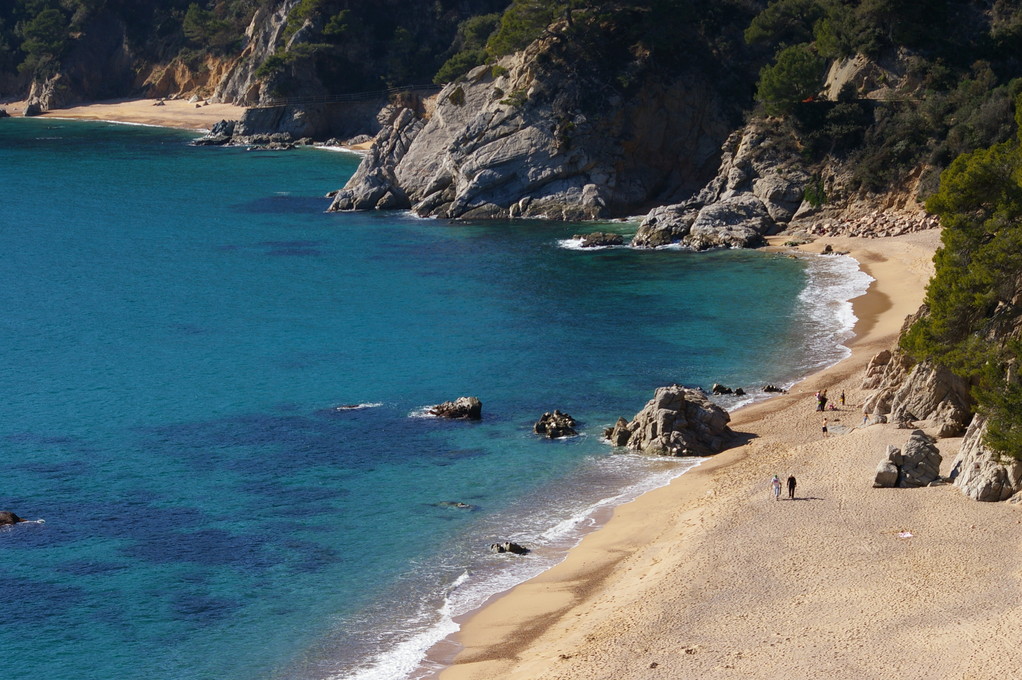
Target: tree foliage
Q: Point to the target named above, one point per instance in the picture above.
(795, 75)
(972, 297)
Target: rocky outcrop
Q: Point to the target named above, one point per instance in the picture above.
(756, 192)
(919, 465)
(7, 517)
(677, 421)
(982, 474)
(240, 85)
(509, 547)
(522, 138)
(599, 239)
(555, 425)
(463, 408)
(907, 393)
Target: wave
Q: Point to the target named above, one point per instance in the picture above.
(550, 533)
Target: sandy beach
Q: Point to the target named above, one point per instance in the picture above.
(177, 113)
(710, 577)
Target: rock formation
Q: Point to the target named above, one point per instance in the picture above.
(919, 465)
(907, 393)
(555, 425)
(599, 239)
(508, 547)
(7, 517)
(757, 191)
(521, 138)
(464, 408)
(677, 421)
(983, 475)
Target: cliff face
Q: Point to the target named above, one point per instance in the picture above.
(523, 140)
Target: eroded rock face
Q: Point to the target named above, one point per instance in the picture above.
(756, 192)
(522, 139)
(980, 473)
(677, 421)
(904, 392)
(465, 408)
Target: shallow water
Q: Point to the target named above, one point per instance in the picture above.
(179, 328)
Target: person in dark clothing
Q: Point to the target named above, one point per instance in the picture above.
(791, 487)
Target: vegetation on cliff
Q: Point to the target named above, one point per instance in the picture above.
(944, 83)
(973, 301)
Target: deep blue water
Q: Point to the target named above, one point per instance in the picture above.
(178, 328)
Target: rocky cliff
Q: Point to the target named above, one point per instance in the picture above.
(525, 139)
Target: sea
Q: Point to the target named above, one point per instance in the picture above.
(214, 395)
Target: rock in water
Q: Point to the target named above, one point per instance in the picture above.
(677, 421)
(599, 239)
(555, 425)
(7, 517)
(508, 547)
(465, 408)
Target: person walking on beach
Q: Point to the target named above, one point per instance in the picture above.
(825, 427)
(842, 397)
(775, 485)
(865, 417)
(791, 487)
(823, 400)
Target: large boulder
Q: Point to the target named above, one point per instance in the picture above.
(7, 517)
(677, 421)
(464, 408)
(981, 473)
(918, 465)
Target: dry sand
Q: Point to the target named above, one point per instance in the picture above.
(173, 113)
(710, 577)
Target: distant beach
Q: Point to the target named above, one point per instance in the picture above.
(710, 577)
(172, 113)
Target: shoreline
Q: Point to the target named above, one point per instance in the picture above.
(177, 114)
(173, 113)
(653, 593)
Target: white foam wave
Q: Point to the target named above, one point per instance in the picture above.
(826, 308)
(407, 659)
(357, 407)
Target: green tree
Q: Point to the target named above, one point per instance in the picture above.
(521, 23)
(45, 40)
(795, 75)
(470, 42)
(785, 22)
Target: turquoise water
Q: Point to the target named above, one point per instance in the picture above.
(179, 326)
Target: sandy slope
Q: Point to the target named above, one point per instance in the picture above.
(712, 578)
